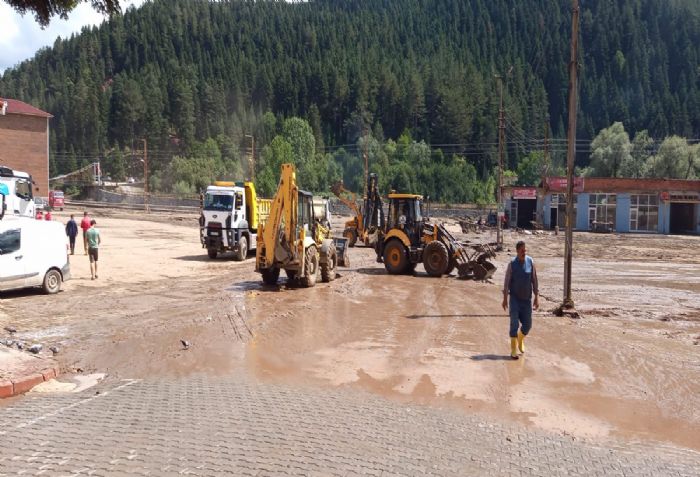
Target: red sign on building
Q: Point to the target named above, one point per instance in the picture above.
(560, 183)
(529, 193)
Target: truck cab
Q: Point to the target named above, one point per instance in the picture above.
(56, 199)
(230, 216)
(19, 199)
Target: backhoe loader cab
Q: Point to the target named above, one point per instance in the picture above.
(410, 238)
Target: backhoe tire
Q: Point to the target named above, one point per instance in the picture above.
(270, 275)
(242, 249)
(435, 258)
(351, 235)
(310, 268)
(451, 266)
(328, 268)
(396, 258)
(212, 253)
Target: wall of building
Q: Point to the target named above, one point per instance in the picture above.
(24, 146)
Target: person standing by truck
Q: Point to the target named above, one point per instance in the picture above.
(94, 240)
(72, 232)
(85, 226)
(520, 284)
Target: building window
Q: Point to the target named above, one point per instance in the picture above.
(601, 211)
(644, 213)
(559, 203)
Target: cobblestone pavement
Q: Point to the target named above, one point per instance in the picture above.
(207, 426)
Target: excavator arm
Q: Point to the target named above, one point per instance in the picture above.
(280, 227)
(350, 200)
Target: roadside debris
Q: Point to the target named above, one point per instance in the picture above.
(54, 350)
(35, 348)
(11, 329)
(185, 344)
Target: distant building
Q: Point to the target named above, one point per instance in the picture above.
(24, 141)
(667, 206)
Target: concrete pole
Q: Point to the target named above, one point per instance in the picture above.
(501, 148)
(570, 157)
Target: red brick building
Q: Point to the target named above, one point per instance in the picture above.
(24, 141)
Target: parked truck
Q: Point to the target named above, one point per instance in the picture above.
(17, 192)
(231, 215)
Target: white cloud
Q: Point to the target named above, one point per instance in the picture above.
(21, 36)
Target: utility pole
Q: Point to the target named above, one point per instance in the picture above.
(568, 302)
(252, 157)
(501, 150)
(545, 167)
(145, 175)
(365, 157)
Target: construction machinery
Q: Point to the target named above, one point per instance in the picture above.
(230, 218)
(368, 218)
(293, 240)
(410, 239)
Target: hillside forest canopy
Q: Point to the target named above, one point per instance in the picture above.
(410, 83)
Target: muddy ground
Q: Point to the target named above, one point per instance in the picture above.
(630, 366)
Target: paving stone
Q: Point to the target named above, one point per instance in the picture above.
(201, 425)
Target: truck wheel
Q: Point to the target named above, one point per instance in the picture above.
(212, 253)
(395, 257)
(52, 282)
(351, 235)
(310, 268)
(435, 258)
(270, 275)
(328, 268)
(242, 249)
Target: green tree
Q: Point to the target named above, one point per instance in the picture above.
(45, 10)
(610, 149)
(278, 152)
(671, 162)
(529, 169)
(642, 149)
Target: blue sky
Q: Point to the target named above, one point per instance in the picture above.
(21, 37)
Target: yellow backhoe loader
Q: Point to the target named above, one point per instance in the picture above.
(291, 239)
(410, 239)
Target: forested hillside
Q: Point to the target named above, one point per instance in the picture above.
(181, 72)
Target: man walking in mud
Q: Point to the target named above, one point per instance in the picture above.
(520, 283)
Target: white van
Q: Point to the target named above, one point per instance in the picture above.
(33, 253)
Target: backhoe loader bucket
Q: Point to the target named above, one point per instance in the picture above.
(476, 270)
(341, 250)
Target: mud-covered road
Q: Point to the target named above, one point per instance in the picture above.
(630, 367)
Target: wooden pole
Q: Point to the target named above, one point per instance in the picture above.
(570, 158)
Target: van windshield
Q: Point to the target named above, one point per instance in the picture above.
(218, 202)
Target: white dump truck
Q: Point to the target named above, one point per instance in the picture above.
(16, 189)
(231, 214)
